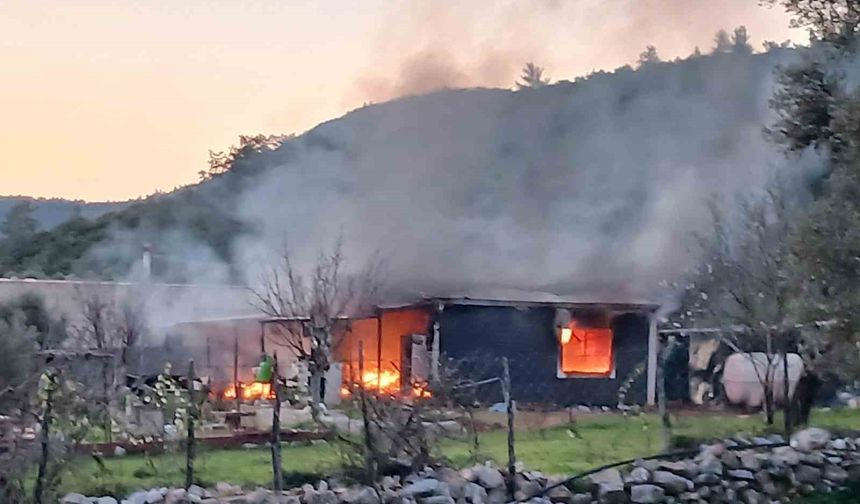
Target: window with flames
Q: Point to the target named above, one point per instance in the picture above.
(585, 351)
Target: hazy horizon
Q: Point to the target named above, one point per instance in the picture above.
(112, 102)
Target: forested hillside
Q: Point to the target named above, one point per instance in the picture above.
(592, 184)
(50, 212)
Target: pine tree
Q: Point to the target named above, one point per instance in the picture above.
(532, 77)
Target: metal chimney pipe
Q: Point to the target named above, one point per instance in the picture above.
(147, 261)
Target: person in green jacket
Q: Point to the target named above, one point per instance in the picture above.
(264, 370)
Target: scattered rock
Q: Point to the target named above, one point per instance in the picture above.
(835, 474)
(708, 479)
(436, 499)
(741, 474)
(639, 475)
(671, 482)
(750, 461)
(489, 477)
(810, 439)
(680, 468)
(785, 455)
(608, 480)
(196, 490)
(776, 438)
(176, 496)
(106, 500)
(474, 493)
(730, 459)
(525, 487)
(137, 498)
(455, 481)
(422, 487)
(751, 496)
(559, 494)
(75, 498)
(711, 464)
(646, 494)
(497, 496)
(581, 498)
(225, 489)
(807, 474)
(610, 485)
(154, 496)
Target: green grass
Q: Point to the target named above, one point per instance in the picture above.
(246, 467)
(599, 439)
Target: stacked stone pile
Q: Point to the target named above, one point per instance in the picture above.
(760, 470)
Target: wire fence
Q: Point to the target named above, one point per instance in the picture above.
(521, 414)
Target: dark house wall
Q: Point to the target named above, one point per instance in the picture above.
(474, 338)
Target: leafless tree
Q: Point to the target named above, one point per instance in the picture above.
(96, 310)
(130, 325)
(313, 306)
(750, 282)
(110, 324)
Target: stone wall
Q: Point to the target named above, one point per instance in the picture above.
(751, 471)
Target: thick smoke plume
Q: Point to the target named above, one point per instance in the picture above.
(590, 188)
(425, 46)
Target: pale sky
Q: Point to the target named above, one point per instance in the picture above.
(116, 99)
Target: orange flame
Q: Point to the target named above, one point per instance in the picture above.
(251, 391)
(385, 382)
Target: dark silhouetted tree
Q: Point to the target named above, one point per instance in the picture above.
(804, 103)
(834, 21)
(532, 77)
(648, 56)
(722, 42)
(19, 222)
(741, 41)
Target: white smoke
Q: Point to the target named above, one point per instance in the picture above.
(591, 188)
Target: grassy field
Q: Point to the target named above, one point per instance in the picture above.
(595, 440)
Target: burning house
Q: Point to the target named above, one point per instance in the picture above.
(562, 351)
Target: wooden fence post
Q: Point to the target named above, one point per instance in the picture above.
(787, 399)
(45, 436)
(369, 455)
(509, 409)
(236, 388)
(190, 447)
(665, 419)
(277, 471)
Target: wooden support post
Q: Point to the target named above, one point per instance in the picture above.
(378, 352)
(236, 385)
(787, 400)
(277, 471)
(509, 408)
(651, 369)
(665, 420)
(45, 437)
(208, 356)
(190, 443)
(369, 453)
(263, 337)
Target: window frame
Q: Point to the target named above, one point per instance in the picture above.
(563, 375)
